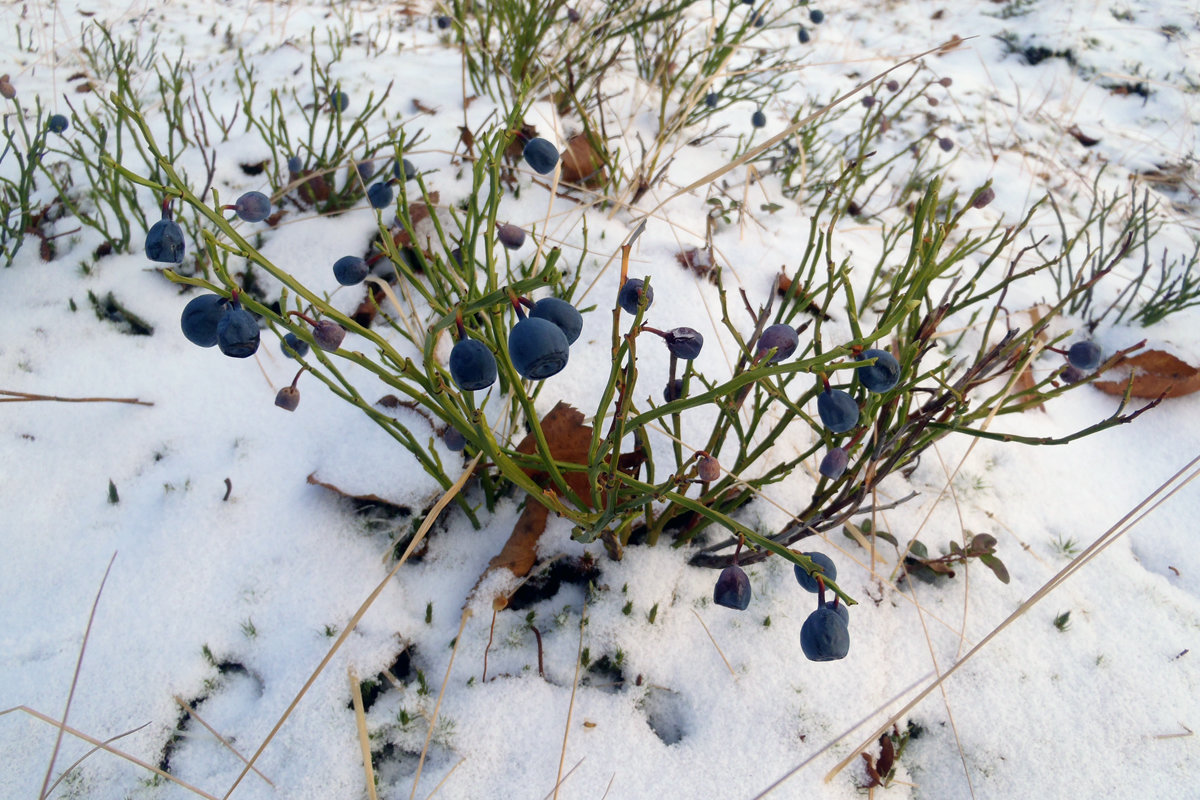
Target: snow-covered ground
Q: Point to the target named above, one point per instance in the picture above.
(230, 575)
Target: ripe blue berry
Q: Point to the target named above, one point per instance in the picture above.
(827, 568)
(237, 333)
(443, 22)
(379, 195)
(538, 348)
(510, 236)
(253, 207)
(57, 123)
(1084, 355)
(294, 164)
(298, 347)
(472, 365)
(684, 343)
(834, 462)
(562, 314)
(711, 99)
(164, 242)
(837, 410)
(758, 119)
(782, 338)
(803, 35)
(946, 143)
(339, 100)
(454, 440)
(632, 292)
(200, 318)
(404, 169)
(816, 16)
(883, 375)
(350, 270)
(673, 390)
(541, 155)
(732, 589)
(825, 636)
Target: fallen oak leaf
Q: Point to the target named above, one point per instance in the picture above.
(1154, 373)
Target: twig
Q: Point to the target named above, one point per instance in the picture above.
(364, 740)
(195, 715)
(714, 641)
(571, 706)
(62, 726)
(438, 705)
(87, 631)
(27, 397)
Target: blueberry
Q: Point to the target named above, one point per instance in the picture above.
(684, 343)
(443, 22)
(299, 347)
(732, 589)
(366, 169)
(825, 636)
(837, 410)
(893, 86)
(673, 390)
(782, 337)
(339, 100)
(328, 335)
(164, 242)
(946, 143)
(868, 101)
(253, 207)
(834, 462)
(404, 169)
(57, 123)
(237, 333)
(541, 155)
(827, 568)
(200, 318)
(883, 375)
(758, 119)
(562, 314)
(454, 440)
(803, 35)
(379, 195)
(1084, 355)
(816, 16)
(472, 365)
(538, 348)
(631, 294)
(350, 270)
(294, 164)
(288, 398)
(510, 236)
(711, 99)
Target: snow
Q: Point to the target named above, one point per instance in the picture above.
(231, 603)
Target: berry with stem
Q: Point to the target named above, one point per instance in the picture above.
(164, 240)
(809, 582)
(631, 294)
(237, 332)
(251, 207)
(780, 337)
(288, 397)
(837, 410)
(327, 334)
(883, 375)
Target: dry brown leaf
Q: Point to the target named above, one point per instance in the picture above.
(581, 161)
(369, 498)
(1155, 373)
(519, 553)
